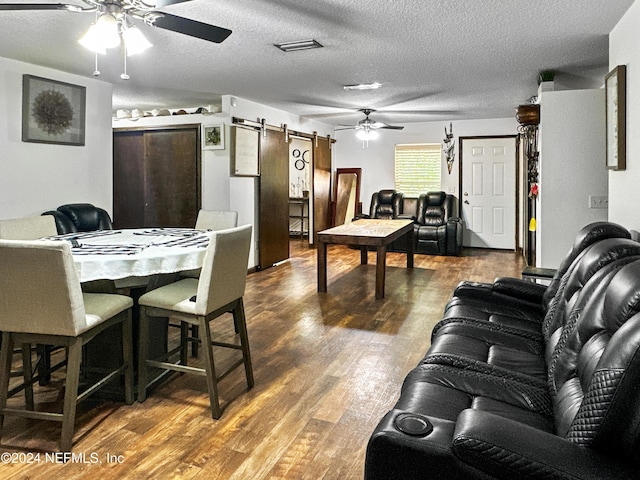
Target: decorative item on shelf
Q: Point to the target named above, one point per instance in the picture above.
(533, 190)
(448, 147)
(528, 114)
(546, 76)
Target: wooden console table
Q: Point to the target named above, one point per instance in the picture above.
(365, 233)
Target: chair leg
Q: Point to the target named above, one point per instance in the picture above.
(184, 342)
(44, 366)
(212, 380)
(6, 352)
(71, 394)
(127, 355)
(194, 343)
(143, 355)
(27, 375)
(240, 322)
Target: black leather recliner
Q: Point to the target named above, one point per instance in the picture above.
(386, 204)
(80, 217)
(438, 229)
(545, 396)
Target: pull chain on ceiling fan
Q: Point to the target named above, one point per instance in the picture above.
(113, 24)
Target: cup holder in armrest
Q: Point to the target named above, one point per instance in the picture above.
(413, 424)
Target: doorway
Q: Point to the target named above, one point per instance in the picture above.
(488, 191)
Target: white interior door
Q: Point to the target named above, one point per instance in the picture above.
(489, 192)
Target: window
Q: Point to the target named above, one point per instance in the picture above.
(418, 168)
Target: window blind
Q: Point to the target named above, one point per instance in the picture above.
(417, 168)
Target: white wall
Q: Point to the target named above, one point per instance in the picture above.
(624, 192)
(572, 167)
(377, 160)
(36, 177)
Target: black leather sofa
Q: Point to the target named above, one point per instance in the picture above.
(438, 230)
(525, 381)
(80, 217)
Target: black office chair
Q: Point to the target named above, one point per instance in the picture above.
(80, 217)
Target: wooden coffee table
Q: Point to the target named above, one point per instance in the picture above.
(365, 233)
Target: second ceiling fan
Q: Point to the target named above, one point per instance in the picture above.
(366, 128)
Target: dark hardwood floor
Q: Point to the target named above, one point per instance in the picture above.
(327, 368)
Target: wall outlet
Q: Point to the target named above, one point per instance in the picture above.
(598, 201)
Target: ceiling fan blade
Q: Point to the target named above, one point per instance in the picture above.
(35, 6)
(165, 3)
(346, 127)
(193, 28)
(393, 127)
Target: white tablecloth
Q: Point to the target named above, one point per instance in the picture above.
(119, 254)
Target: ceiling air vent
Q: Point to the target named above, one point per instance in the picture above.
(299, 45)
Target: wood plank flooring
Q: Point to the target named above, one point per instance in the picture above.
(327, 368)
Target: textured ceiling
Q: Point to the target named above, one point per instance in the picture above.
(436, 59)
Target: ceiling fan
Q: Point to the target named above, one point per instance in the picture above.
(367, 127)
(114, 20)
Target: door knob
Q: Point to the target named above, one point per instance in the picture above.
(466, 194)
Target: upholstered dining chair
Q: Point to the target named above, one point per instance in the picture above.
(213, 220)
(216, 220)
(219, 290)
(28, 228)
(32, 228)
(41, 303)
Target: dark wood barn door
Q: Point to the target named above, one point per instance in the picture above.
(273, 199)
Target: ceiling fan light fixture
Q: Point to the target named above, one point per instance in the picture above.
(135, 42)
(91, 41)
(363, 86)
(366, 134)
(102, 35)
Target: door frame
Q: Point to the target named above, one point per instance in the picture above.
(518, 207)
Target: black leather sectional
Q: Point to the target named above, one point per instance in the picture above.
(523, 381)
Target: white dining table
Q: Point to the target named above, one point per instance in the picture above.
(136, 253)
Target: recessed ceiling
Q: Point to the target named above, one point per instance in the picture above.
(436, 60)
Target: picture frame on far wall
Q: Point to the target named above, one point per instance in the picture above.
(52, 111)
(616, 121)
(213, 137)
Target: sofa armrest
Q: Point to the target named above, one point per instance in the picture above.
(506, 293)
(518, 288)
(404, 216)
(507, 449)
(455, 229)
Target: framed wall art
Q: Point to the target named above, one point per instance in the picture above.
(615, 99)
(213, 137)
(52, 111)
(245, 152)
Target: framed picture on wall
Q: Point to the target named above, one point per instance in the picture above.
(615, 95)
(52, 111)
(213, 137)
